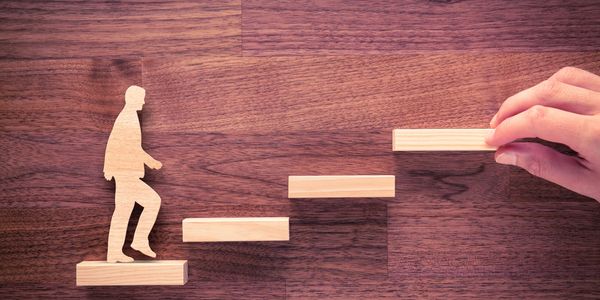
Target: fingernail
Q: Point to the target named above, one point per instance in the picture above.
(506, 158)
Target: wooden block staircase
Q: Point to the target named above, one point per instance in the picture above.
(174, 272)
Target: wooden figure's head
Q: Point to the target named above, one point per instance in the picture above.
(134, 97)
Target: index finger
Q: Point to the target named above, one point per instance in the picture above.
(547, 123)
(551, 93)
(578, 77)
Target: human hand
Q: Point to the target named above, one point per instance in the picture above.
(564, 109)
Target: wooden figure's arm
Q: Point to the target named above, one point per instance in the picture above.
(150, 161)
(107, 174)
(109, 164)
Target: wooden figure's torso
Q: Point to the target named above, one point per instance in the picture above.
(124, 154)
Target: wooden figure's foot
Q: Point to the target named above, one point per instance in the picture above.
(119, 258)
(143, 247)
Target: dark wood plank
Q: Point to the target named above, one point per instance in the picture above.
(230, 130)
(456, 226)
(344, 289)
(92, 29)
(204, 174)
(192, 290)
(530, 242)
(260, 94)
(291, 93)
(328, 241)
(442, 288)
(70, 95)
(365, 27)
(201, 168)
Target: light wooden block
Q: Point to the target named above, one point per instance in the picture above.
(139, 272)
(355, 186)
(441, 140)
(236, 229)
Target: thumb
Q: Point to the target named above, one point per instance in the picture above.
(547, 163)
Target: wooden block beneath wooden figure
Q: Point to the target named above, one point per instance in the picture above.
(139, 272)
(236, 229)
(440, 140)
(353, 186)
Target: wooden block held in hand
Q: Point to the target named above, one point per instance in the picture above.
(441, 140)
(236, 229)
(139, 272)
(355, 186)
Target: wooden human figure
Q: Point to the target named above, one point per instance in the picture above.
(124, 161)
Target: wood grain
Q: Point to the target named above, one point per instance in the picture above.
(214, 184)
(359, 249)
(149, 272)
(266, 94)
(447, 287)
(92, 29)
(363, 27)
(71, 95)
(474, 233)
(230, 128)
(203, 289)
(341, 186)
(236, 229)
(213, 175)
(466, 222)
(448, 139)
(453, 223)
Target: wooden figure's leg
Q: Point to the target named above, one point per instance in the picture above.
(150, 200)
(118, 224)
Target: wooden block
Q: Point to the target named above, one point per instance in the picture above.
(236, 229)
(141, 272)
(342, 186)
(440, 140)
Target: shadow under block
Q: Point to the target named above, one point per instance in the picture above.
(139, 272)
(440, 140)
(236, 229)
(354, 186)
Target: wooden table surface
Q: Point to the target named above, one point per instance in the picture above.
(242, 94)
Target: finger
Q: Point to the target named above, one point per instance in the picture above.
(548, 164)
(547, 123)
(551, 93)
(570, 76)
(579, 78)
